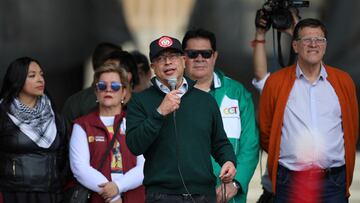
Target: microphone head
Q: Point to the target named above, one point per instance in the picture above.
(172, 82)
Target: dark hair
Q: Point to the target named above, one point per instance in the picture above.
(126, 61)
(101, 51)
(309, 22)
(199, 33)
(141, 61)
(14, 80)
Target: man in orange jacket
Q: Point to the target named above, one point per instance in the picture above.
(309, 123)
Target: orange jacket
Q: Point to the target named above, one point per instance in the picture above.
(271, 112)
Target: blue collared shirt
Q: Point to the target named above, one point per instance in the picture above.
(312, 134)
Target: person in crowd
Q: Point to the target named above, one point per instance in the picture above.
(84, 101)
(124, 59)
(144, 72)
(235, 104)
(177, 127)
(121, 177)
(308, 116)
(32, 137)
(260, 66)
(261, 73)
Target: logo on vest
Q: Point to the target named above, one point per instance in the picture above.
(230, 110)
(91, 138)
(99, 138)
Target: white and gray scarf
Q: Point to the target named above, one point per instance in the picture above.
(37, 123)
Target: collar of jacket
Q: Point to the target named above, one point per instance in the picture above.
(218, 79)
(95, 117)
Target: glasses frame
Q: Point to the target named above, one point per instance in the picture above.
(309, 40)
(193, 54)
(161, 59)
(103, 86)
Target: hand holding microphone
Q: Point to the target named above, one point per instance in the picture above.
(171, 101)
(227, 172)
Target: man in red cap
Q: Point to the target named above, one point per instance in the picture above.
(177, 127)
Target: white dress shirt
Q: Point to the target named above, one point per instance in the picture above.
(259, 84)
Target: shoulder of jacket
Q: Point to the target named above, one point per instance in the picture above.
(85, 118)
(230, 84)
(281, 75)
(337, 72)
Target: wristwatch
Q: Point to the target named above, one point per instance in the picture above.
(236, 184)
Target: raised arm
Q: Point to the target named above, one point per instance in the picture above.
(260, 65)
(259, 53)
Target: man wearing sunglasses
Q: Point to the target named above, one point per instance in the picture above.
(235, 104)
(177, 127)
(308, 116)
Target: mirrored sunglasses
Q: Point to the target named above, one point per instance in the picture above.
(102, 86)
(195, 53)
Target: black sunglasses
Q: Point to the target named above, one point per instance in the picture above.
(195, 53)
(102, 86)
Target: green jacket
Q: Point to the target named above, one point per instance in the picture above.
(79, 104)
(238, 115)
(200, 133)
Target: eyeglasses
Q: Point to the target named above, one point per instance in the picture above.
(195, 53)
(317, 40)
(162, 58)
(102, 86)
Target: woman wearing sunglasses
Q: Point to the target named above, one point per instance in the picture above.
(120, 177)
(32, 137)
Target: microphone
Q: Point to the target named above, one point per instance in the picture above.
(172, 82)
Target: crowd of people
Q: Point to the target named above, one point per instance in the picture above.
(188, 133)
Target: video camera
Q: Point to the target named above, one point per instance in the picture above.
(277, 13)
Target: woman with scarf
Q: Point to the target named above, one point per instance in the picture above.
(32, 137)
(120, 178)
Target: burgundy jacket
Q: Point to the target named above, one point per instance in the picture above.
(93, 126)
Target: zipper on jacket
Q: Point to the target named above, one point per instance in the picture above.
(49, 171)
(14, 168)
(55, 168)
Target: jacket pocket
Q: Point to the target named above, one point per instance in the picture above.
(37, 167)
